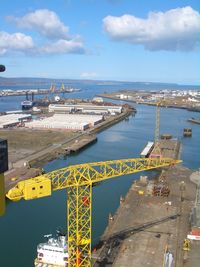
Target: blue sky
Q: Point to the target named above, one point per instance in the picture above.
(121, 40)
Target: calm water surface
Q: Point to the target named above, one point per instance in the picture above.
(25, 223)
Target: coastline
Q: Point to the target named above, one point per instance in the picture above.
(147, 103)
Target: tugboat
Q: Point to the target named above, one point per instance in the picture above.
(53, 253)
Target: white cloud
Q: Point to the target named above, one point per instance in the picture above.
(64, 47)
(176, 29)
(16, 41)
(19, 42)
(44, 21)
(55, 38)
(88, 75)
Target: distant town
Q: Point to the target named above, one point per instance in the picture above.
(187, 99)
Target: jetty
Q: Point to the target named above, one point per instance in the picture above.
(193, 120)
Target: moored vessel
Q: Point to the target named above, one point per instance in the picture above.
(26, 104)
(53, 253)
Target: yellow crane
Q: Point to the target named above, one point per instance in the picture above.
(62, 87)
(78, 179)
(156, 150)
(157, 128)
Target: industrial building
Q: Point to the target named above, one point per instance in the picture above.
(88, 109)
(74, 122)
(12, 120)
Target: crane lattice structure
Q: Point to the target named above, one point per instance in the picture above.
(156, 153)
(78, 179)
(62, 87)
(157, 128)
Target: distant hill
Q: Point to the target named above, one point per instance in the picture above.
(46, 82)
(28, 81)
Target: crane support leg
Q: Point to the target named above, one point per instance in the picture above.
(79, 207)
(157, 130)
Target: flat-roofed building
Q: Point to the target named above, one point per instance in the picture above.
(88, 109)
(73, 122)
(11, 120)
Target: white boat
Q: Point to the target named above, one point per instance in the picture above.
(53, 253)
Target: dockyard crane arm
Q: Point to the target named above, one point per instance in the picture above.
(82, 175)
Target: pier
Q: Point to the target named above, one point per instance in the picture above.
(24, 92)
(80, 144)
(146, 224)
(193, 120)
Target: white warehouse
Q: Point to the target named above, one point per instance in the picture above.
(73, 122)
(91, 109)
(12, 120)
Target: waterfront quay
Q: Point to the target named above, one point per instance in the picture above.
(194, 120)
(184, 99)
(42, 91)
(30, 149)
(152, 221)
(145, 226)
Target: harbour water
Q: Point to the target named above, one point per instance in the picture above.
(25, 222)
(88, 91)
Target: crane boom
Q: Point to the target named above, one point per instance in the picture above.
(78, 179)
(83, 174)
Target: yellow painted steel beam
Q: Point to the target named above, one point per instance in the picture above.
(79, 220)
(83, 174)
(89, 173)
(157, 128)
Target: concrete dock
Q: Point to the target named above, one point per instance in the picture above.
(81, 143)
(193, 120)
(146, 225)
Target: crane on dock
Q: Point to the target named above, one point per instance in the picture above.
(53, 88)
(157, 128)
(78, 180)
(156, 150)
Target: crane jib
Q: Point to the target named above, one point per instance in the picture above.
(81, 175)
